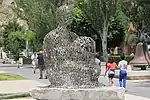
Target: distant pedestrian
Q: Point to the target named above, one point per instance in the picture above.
(41, 65)
(17, 60)
(110, 68)
(34, 61)
(97, 60)
(123, 71)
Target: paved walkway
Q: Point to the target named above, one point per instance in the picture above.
(27, 85)
(18, 86)
(128, 96)
(134, 88)
(133, 97)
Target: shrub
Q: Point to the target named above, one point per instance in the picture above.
(10, 56)
(27, 60)
(117, 58)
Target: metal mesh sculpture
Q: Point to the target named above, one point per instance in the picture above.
(69, 58)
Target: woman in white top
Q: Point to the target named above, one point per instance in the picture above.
(34, 61)
(123, 72)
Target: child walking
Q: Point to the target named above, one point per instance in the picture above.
(110, 68)
(123, 71)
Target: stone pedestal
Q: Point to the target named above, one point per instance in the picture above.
(103, 68)
(105, 93)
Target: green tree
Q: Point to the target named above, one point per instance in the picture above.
(134, 10)
(16, 42)
(1, 2)
(80, 25)
(131, 39)
(98, 13)
(138, 12)
(12, 26)
(39, 14)
(116, 31)
(145, 5)
(1, 37)
(31, 37)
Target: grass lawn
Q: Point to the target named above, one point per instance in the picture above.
(15, 96)
(7, 76)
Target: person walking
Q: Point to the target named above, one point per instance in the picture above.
(34, 61)
(97, 60)
(123, 71)
(110, 68)
(41, 64)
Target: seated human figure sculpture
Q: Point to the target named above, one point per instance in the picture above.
(71, 67)
(70, 58)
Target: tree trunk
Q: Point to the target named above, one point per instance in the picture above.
(104, 43)
(126, 49)
(104, 46)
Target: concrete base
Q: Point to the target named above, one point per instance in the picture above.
(103, 68)
(105, 93)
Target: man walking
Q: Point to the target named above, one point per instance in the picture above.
(41, 64)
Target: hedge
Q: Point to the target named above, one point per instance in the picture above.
(27, 60)
(11, 56)
(117, 58)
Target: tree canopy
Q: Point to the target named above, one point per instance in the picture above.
(16, 42)
(99, 14)
(39, 14)
(12, 26)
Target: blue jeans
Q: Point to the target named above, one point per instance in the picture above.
(123, 78)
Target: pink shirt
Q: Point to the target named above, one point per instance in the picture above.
(111, 66)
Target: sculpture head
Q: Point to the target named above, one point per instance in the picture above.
(64, 15)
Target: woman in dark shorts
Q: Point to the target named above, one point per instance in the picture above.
(110, 68)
